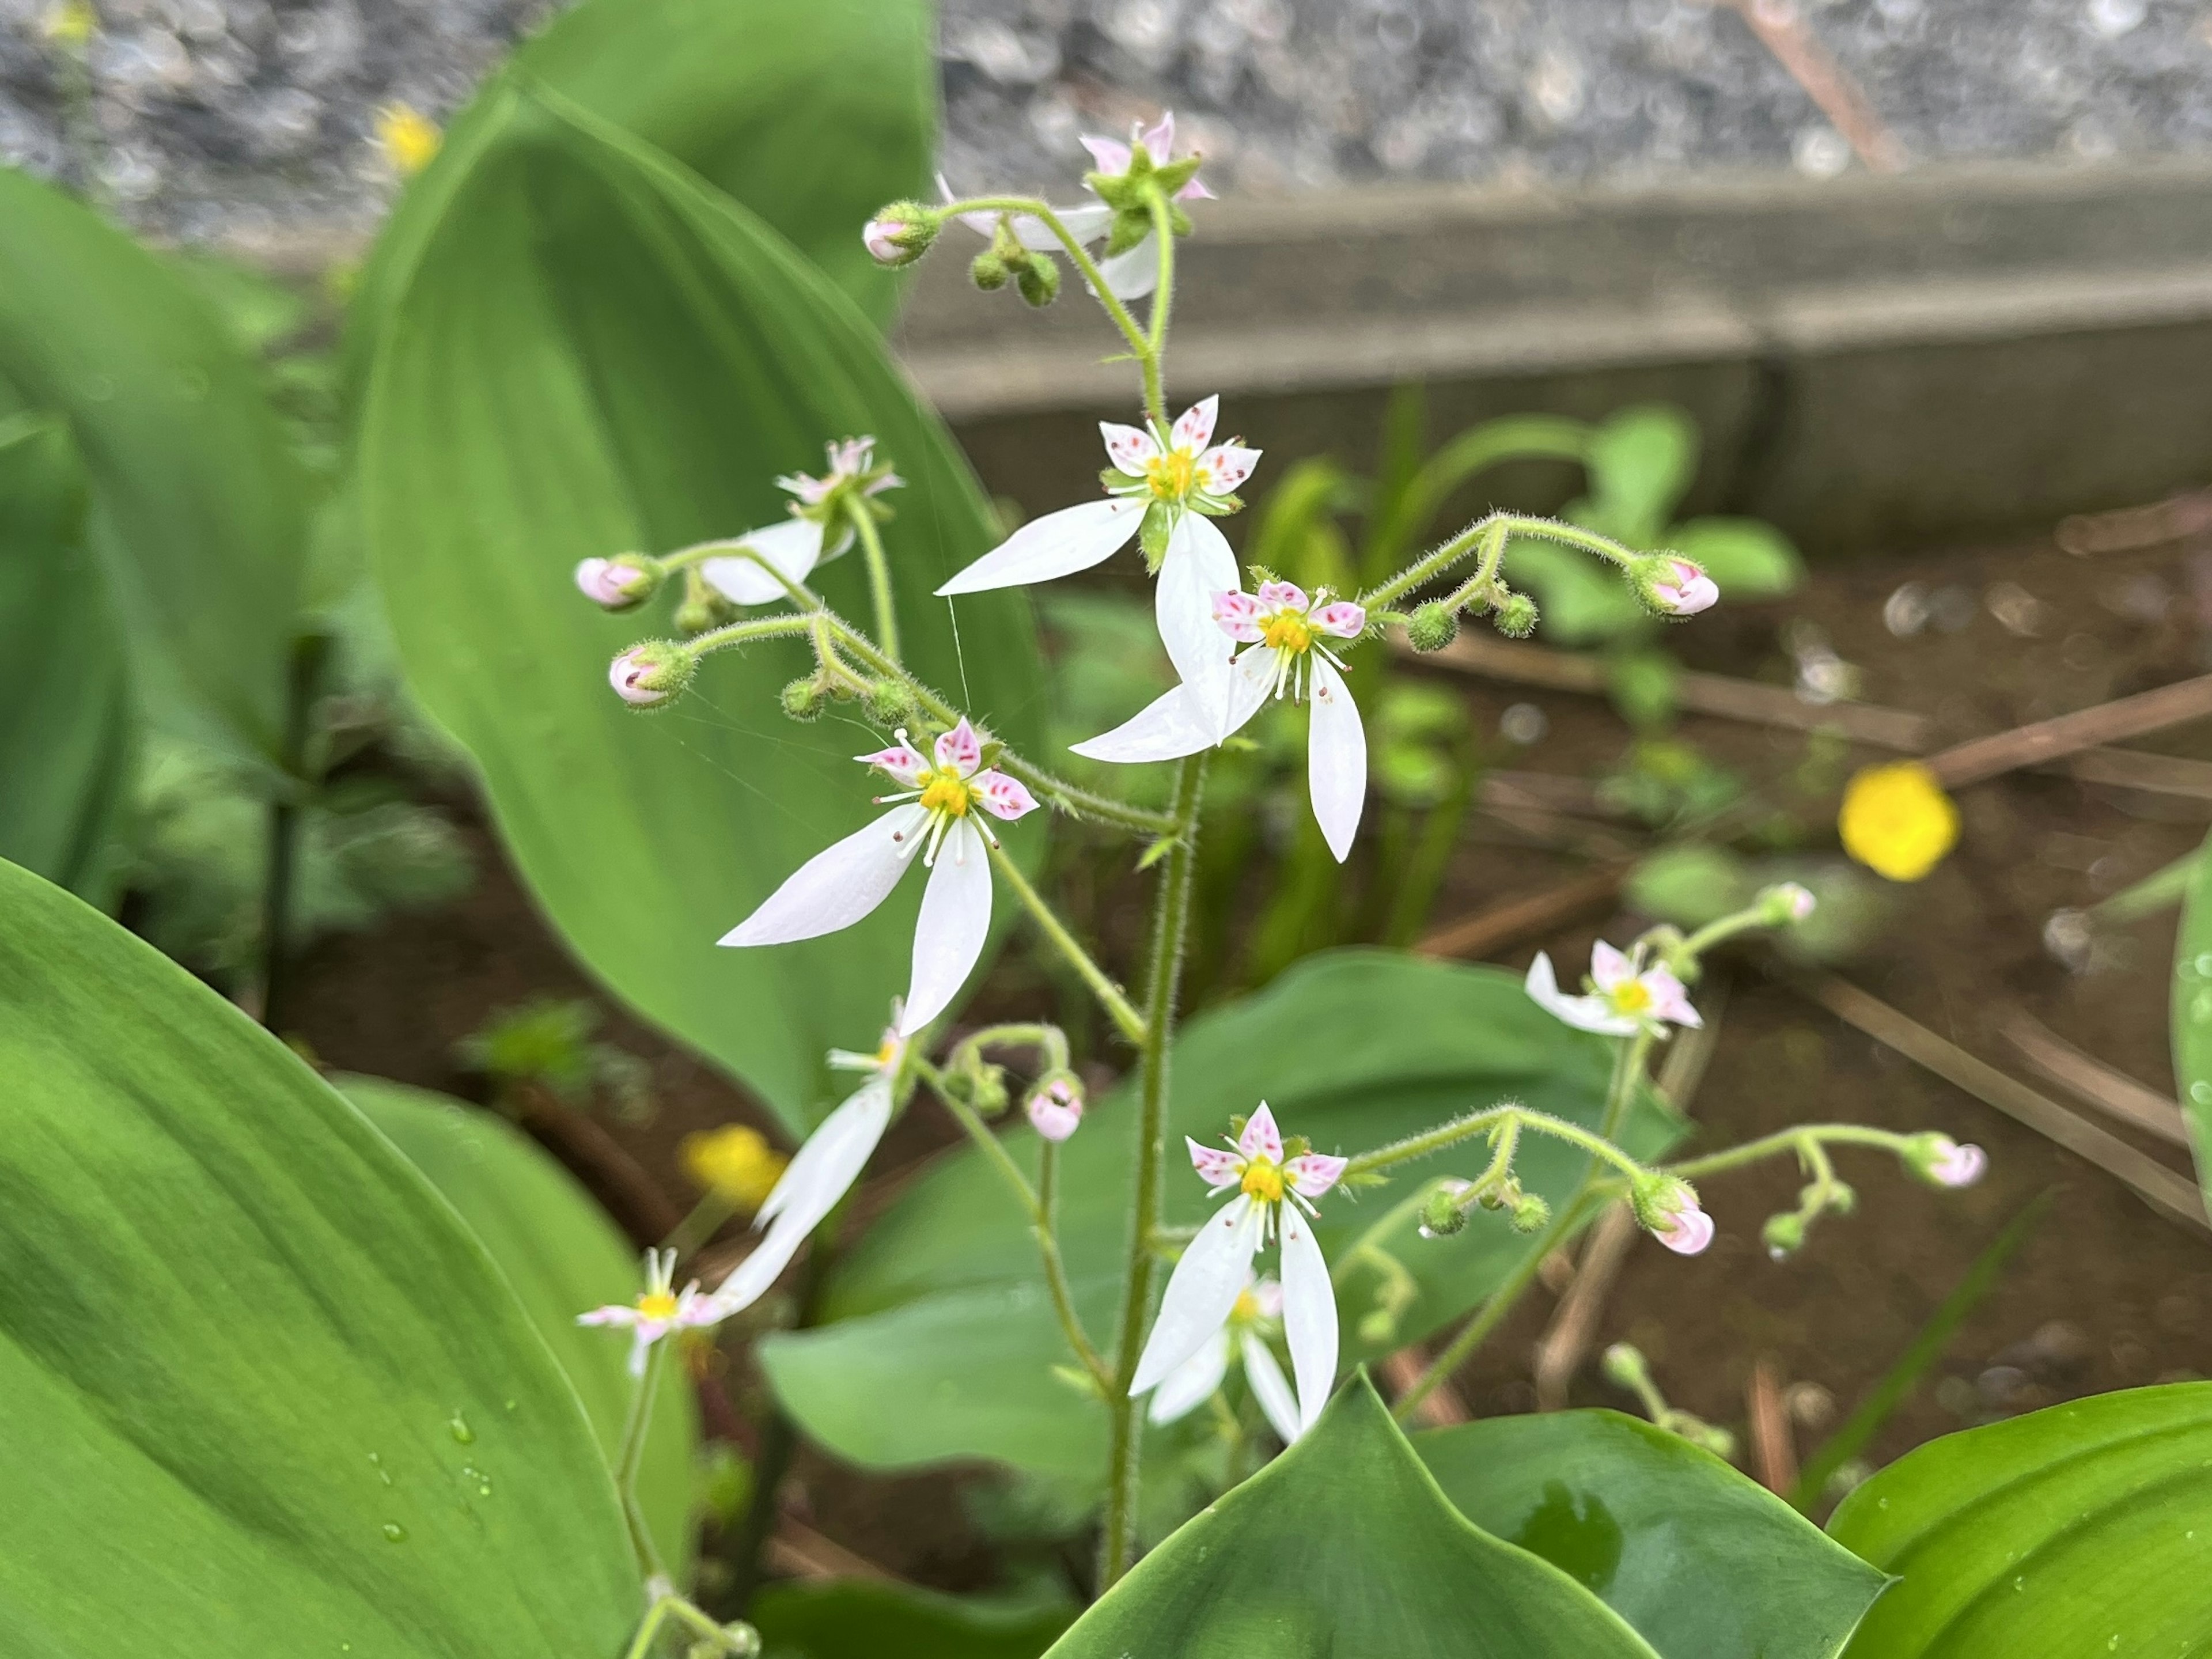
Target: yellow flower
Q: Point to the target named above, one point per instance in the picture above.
(734, 1163)
(409, 139)
(1897, 821)
(72, 24)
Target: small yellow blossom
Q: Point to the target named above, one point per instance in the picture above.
(734, 1163)
(409, 139)
(72, 24)
(1897, 821)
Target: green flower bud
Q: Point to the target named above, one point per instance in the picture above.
(1442, 1216)
(1432, 627)
(1517, 615)
(1784, 1234)
(1531, 1214)
(889, 703)
(653, 673)
(1782, 906)
(988, 273)
(1623, 1365)
(900, 233)
(1038, 279)
(804, 699)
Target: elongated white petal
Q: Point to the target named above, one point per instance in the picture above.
(1309, 1314)
(1583, 1013)
(1336, 759)
(1166, 728)
(1085, 224)
(1270, 1389)
(948, 936)
(1201, 1292)
(1197, 568)
(818, 1176)
(793, 547)
(1058, 545)
(1190, 1384)
(838, 885)
(1132, 275)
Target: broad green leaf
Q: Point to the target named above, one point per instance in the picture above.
(596, 353)
(1583, 599)
(2190, 1023)
(1748, 558)
(266, 1395)
(1343, 1546)
(197, 513)
(66, 737)
(940, 1342)
(857, 1619)
(2081, 1528)
(1641, 460)
(1700, 1560)
(560, 1256)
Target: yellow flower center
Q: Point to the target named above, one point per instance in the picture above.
(1897, 821)
(1247, 1309)
(943, 790)
(1168, 475)
(1631, 997)
(889, 1052)
(1263, 1180)
(657, 1304)
(1286, 630)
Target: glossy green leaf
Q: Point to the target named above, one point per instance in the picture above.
(1748, 558)
(258, 1375)
(2084, 1529)
(66, 719)
(2190, 1021)
(940, 1342)
(1343, 1546)
(1700, 1559)
(596, 353)
(560, 1256)
(859, 1618)
(198, 513)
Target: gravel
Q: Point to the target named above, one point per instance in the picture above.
(198, 118)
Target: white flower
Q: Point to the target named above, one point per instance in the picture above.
(1130, 275)
(1626, 1002)
(1257, 1308)
(659, 1310)
(937, 813)
(1283, 630)
(1180, 472)
(821, 1172)
(795, 545)
(1274, 1197)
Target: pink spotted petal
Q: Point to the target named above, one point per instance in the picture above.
(1343, 619)
(1609, 967)
(1225, 467)
(1111, 154)
(1216, 1165)
(1003, 797)
(1129, 447)
(1193, 428)
(902, 761)
(1283, 596)
(1314, 1173)
(1238, 615)
(1261, 1139)
(1159, 139)
(959, 749)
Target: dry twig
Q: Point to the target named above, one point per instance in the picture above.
(1773, 1451)
(2089, 1079)
(797, 1551)
(1441, 1407)
(1503, 927)
(1782, 31)
(2069, 734)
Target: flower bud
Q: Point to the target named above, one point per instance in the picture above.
(1055, 1107)
(648, 674)
(1667, 1209)
(1786, 903)
(987, 1089)
(1783, 1235)
(989, 271)
(1444, 1212)
(900, 233)
(1623, 1365)
(1675, 587)
(1432, 627)
(1038, 279)
(804, 699)
(1517, 615)
(1531, 1214)
(1945, 1162)
(622, 584)
(889, 703)
(703, 609)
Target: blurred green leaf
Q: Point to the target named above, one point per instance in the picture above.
(197, 508)
(940, 1342)
(1748, 558)
(2081, 1528)
(67, 735)
(1343, 1546)
(258, 1375)
(1583, 599)
(857, 1619)
(560, 1256)
(1701, 1560)
(1641, 462)
(1690, 884)
(597, 354)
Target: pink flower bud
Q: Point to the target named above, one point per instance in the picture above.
(616, 584)
(1056, 1109)
(1687, 591)
(900, 233)
(1670, 1208)
(1688, 1231)
(1954, 1166)
(650, 674)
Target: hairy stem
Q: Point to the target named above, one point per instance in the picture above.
(1492, 533)
(633, 1454)
(879, 574)
(1036, 208)
(1790, 1141)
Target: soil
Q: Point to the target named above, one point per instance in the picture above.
(2105, 1294)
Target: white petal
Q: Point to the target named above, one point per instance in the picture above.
(1201, 1292)
(948, 936)
(1190, 1384)
(1193, 428)
(1336, 759)
(1583, 1013)
(1132, 275)
(1129, 448)
(1058, 545)
(1271, 1390)
(1085, 224)
(838, 885)
(1197, 565)
(1167, 728)
(1309, 1314)
(793, 547)
(819, 1175)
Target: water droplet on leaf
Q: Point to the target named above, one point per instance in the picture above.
(462, 1431)
(394, 1532)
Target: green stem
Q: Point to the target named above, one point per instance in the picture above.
(1163, 303)
(633, 1454)
(1170, 921)
(696, 1228)
(665, 1607)
(879, 574)
(1050, 1039)
(1789, 1141)
(757, 627)
(1108, 994)
(1035, 208)
(1499, 528)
